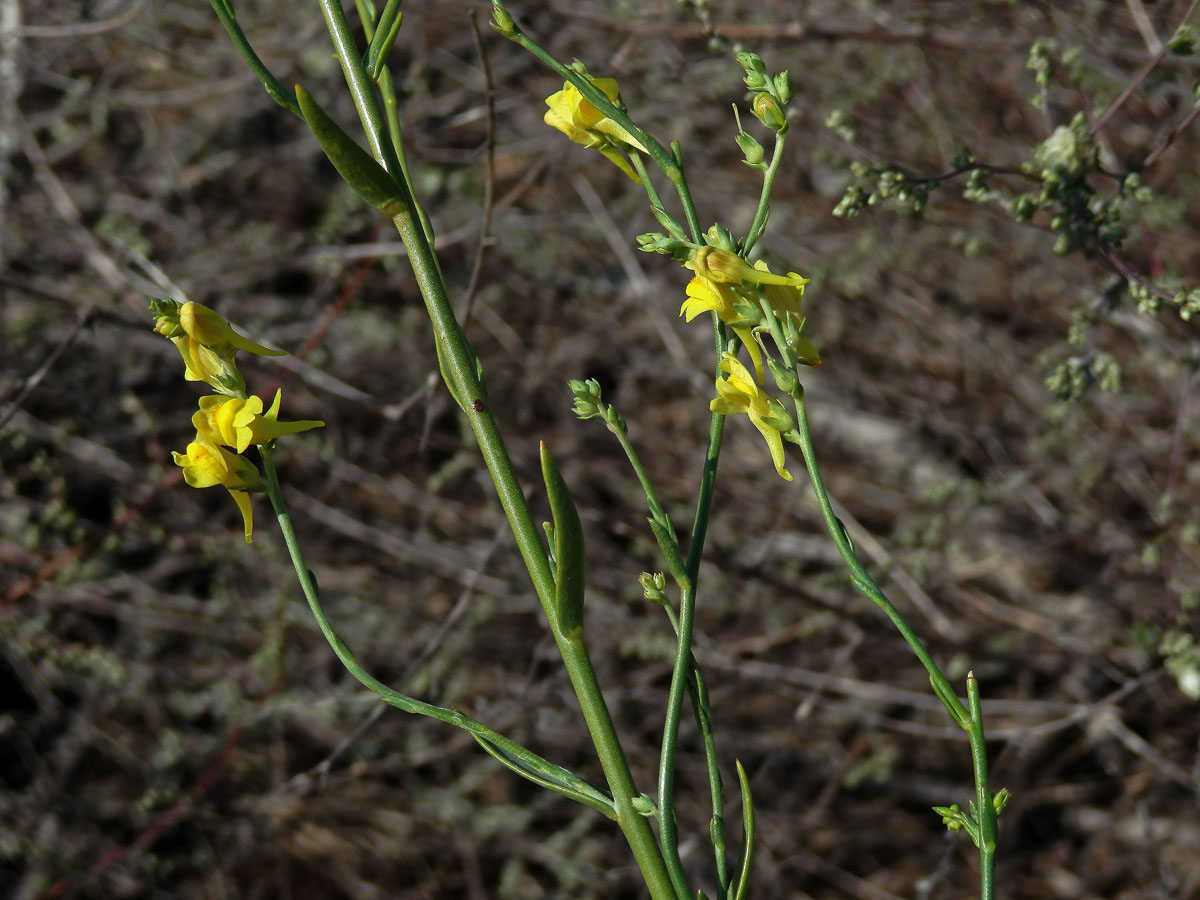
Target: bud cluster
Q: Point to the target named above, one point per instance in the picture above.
(656, 242)
(769, 98)
(589, 405)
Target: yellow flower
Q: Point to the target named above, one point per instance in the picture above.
(207, 344)
(206, 465)
(238, 423)
(704, 296)
(572, 114)
(724, 267)
(206, 327)
(737, 393)
(788, 300)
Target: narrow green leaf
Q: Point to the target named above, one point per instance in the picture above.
(555, 778)
(228, 19)
(387, 26)
(357, 167)
(743, 884)
(569, 559)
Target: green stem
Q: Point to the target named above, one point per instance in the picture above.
(391, 113)
(684, 662)
(461, 368)
(276, 90)
(698, 691)
(970, 721)
(693, 682)
(759, 225)
(859, 576)
(668, 828)
(671, 225)
(985, 810)
(459, 364)
(708, 482)
(685, 193)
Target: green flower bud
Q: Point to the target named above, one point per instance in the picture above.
(751, 62)
(1000, 800)
(166, 317)
(746, 314)
(654, 587)
(721, 238)
(587, 398)
(654, 242)
(502, 21)
(778, 417)
(1184, 41)
(785, 378)
(1068, 153)
(644, 805)
(755, 81)
(766, 110)
(783, 87)
(752, 150)
(1023, 207)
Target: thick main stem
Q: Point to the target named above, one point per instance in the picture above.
(460, 368)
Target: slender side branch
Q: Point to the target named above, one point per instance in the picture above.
(759, 225)
(688, 678)
(229, 22)
(862, 580)
(512, 754)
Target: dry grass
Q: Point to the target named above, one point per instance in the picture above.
(173, 725)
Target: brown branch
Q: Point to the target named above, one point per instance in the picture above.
(796, 31)
(1140, 76)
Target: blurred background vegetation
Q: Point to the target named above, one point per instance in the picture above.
(172, 723)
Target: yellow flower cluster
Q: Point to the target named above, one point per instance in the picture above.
(729, 286)
(229, 419)
(572, 114)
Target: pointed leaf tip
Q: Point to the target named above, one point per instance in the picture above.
(358, 169)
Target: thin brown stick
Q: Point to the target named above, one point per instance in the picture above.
(795, 31)
(1170, 138)
(44, 369)
(1140, 76)
(489, 180)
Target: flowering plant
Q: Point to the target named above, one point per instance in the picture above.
(750, 306)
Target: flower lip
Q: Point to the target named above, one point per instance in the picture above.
(738, 393)
(238, 423)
